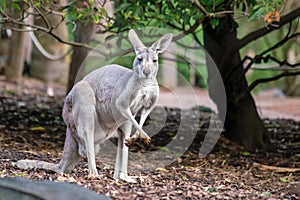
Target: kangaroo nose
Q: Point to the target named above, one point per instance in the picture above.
(146, 70)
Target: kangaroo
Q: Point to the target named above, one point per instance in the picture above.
(103, 104)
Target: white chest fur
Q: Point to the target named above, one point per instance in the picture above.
(146, 96)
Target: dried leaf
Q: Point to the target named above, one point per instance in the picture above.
(271, 17)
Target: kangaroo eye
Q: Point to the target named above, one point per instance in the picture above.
(140, 59)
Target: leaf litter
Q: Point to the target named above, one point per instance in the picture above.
(31, 127)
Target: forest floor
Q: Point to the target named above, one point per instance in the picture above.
(31, 127)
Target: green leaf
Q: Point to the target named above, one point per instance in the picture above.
(161, 169)
(57, 118)
(169, 133)
(211, 189)
(224, 162)
(38, 128)
(19, 174)
(16, 6)
(284, 179)
(214, 22)
(10, 92)
(246, 153)
(266, 194)
(165, 149)
(122, 6)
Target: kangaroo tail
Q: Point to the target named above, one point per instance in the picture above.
(37, 164)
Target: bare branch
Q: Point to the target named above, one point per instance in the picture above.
(280, 43)
(47, 23)
(50, 32)
(281, 63)
(274, 78)
(260, 58)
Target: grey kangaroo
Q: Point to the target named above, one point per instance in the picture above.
(103, 104)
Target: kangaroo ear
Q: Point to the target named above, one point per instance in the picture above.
(135, 41)
(163, 43)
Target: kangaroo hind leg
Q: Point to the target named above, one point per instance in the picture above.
(85, 118)
(70, 157)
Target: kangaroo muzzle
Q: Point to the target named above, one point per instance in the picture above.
(147, 70)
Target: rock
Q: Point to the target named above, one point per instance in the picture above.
(26, 189)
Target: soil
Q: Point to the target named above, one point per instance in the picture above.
(31, 127)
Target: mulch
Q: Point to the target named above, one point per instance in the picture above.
(31, 127)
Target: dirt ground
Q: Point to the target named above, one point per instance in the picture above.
(269, 105)
(31, 127)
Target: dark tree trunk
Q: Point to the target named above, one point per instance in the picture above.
(83, 34)
(242, 122)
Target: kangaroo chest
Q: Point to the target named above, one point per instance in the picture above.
(145, 97)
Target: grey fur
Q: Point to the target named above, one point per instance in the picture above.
(104, 103)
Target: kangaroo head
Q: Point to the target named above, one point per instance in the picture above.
(146, 61)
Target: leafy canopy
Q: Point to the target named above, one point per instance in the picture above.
(180, 15)
(184, 14)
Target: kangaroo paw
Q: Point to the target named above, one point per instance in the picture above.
(145, 138)
(130, 141)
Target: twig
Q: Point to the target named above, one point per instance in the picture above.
(275, 169)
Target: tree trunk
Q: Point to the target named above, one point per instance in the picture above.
(242, 122)
(15, 67)
(14, 70)
(82, 34)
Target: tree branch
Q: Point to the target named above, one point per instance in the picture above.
(48, 31)
(259, 58)
(263, 31)
(201, 8)
(274, 78)
(219, 14)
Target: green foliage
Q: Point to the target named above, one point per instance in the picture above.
(158, 13)
(89, 11)
(10, 5)
(213, 6)
(182, 14)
